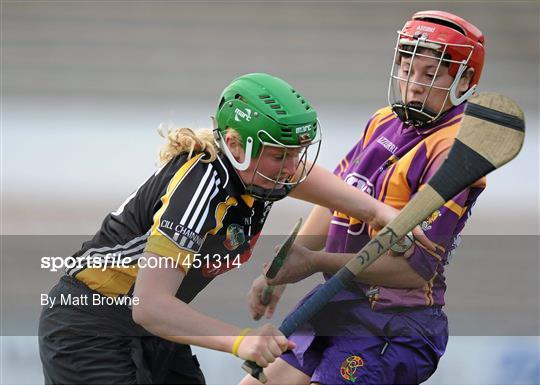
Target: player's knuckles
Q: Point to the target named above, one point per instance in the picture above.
(270, 358)
(282, 342)
(275, 349)
(255, 352)
(268, 355)
(259, 359)
(262, 362)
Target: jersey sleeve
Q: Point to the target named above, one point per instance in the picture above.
(344, 162)
(443, 226)
(187, 213)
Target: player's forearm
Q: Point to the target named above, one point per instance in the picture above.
(164, 315)
(172, 319)
(326, 189)
(387, 271)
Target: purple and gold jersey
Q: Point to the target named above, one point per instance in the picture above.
(392, 162)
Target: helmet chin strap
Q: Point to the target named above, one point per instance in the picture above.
(248, 150)
(456, 101)
(270, 195)
(255, 191)
(413, 116)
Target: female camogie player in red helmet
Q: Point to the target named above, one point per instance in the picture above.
(389, 328)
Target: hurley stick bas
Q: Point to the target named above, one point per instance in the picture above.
(277, 262)
(491, 134)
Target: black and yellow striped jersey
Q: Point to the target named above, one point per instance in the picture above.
(189, 211)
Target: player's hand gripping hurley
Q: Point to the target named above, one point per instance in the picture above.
(277, 262)
(266, 296)
(491, 134)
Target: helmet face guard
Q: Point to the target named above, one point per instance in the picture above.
(447, 40)
(267, 113)
(305, 158)
(306, 155)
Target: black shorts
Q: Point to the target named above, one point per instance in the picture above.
(102, 345)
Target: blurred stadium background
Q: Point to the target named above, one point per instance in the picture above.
(84, 85)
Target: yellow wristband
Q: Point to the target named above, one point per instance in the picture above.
(239, 340)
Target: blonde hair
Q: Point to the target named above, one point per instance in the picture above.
(185, 140)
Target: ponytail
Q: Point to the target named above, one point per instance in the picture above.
(185, 140)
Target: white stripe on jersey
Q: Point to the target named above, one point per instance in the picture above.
(349, 231)
(108, 249)
(131, 259)
(207, 208)
(200, 187)
(119, 254)
(103, 261)
(204, 201)
(340, 223)
(226, 172)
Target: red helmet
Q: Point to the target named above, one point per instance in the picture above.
(464, 42)
(460, 45)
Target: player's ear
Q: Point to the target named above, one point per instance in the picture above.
(235, 146)
(465, 81)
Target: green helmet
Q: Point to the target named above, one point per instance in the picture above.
(265, 110)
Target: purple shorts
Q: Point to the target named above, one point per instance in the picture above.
(348, 343)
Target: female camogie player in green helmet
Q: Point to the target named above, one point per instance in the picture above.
(122, 313)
